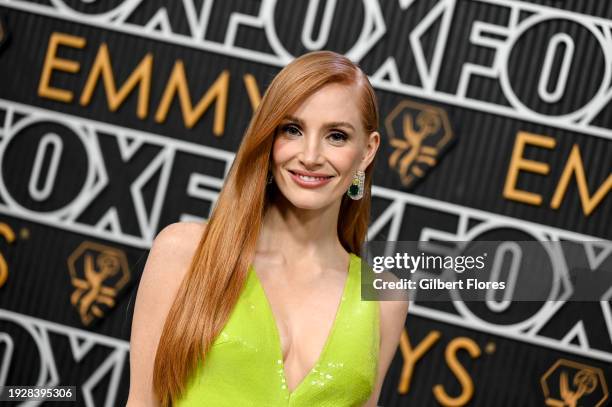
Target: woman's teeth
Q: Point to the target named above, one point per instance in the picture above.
(308, 178)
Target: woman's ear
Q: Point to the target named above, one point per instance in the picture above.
(371, 148)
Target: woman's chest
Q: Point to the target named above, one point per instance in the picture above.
(303, 312)
(249, 350)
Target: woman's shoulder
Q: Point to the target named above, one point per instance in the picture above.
(169, 259)
(393, 308)
(173, 249)
(180, 235)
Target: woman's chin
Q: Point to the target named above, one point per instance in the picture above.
(309, 203)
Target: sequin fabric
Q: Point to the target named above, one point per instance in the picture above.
(245, 368)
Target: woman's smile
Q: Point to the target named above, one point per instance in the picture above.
(307, 179)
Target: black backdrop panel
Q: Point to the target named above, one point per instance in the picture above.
(90, 170)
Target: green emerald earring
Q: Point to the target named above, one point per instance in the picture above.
(355, 191)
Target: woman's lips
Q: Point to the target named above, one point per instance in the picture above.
(309, 182)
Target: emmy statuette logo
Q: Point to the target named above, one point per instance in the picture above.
(573, 384)
(419, 134)
(98, 273)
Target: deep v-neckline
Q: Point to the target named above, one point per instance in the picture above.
(277, 339)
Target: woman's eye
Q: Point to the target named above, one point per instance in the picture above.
(291, 130)
(336, 136)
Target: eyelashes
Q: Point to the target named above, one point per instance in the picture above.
(291, 129)
(343, 137)
(335, 136)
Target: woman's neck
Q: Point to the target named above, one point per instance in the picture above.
(287, 229)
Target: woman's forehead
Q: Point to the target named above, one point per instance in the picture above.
(333, 102)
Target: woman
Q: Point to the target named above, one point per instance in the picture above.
(262, 306)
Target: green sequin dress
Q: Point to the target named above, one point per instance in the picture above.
(245, 368)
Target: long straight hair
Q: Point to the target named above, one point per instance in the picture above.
(219, 267)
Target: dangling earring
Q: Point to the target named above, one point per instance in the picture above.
(270, 178)
(355, 191)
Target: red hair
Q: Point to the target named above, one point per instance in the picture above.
(218, 269)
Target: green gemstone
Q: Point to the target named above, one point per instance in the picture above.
(354, 190)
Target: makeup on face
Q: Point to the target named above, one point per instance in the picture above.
(317, 147)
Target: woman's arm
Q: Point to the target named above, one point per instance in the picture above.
(168, 261)
(392, 320)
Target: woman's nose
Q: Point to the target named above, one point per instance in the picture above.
(311, 150)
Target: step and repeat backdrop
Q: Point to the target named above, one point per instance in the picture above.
(120, 117)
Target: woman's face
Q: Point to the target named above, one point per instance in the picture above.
(319, 146)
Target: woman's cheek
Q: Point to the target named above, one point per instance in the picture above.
(348, 161)
(281, 150)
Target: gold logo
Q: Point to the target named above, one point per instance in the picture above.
(573, 384)
(97, 272)
(9, 235)
(424, 132)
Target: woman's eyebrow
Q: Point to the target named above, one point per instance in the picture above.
(327, 125)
